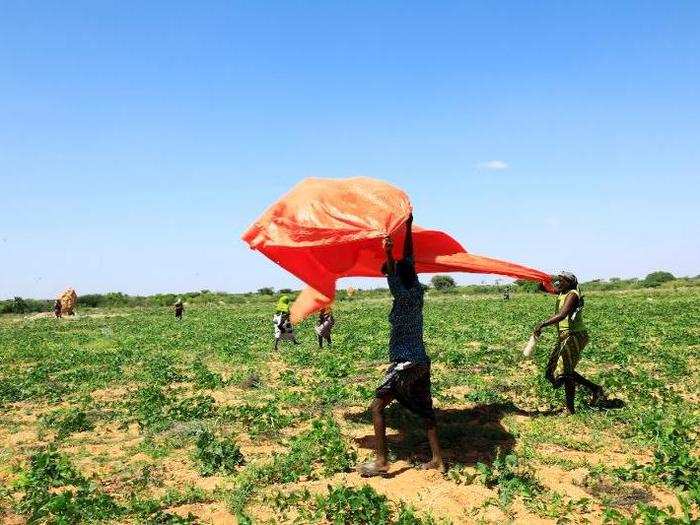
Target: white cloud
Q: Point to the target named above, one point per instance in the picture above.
(493, 165)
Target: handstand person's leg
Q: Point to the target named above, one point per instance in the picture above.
(436, 461)
(328, 339)
(379, 423)
(380, 465)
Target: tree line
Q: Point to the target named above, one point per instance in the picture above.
(440, 283)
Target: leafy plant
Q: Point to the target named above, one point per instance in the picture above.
(320, 451)
(652, 515)
(675, 463)
(215, 455)
(350, 506)
(443, 282)
(205, 378)
(509, 478)
(259, 419)
(56, 493)
(67, 421)
(655, 279)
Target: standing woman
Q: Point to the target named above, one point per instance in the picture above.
(571, 340)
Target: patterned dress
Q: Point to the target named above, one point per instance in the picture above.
(408, 378)
(406, 318)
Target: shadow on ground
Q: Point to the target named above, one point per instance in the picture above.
(467, 435)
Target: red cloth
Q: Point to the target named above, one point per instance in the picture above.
(325, 229)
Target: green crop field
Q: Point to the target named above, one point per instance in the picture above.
(128, 416)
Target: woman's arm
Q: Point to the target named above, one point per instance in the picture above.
(569, 306)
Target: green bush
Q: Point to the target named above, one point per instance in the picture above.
(205, 378)
(155, 409)
(509, 478)
(655, 279)
(259, 419)
(675, 463)
(526, 286)
(19, 305)
(350, 506)
(320, 451)
(443, 282)
(66, 421)
(652, 515)
(217, 455)
(46, 501)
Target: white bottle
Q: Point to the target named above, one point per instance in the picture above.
(529, 347)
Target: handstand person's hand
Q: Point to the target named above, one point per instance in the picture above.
(388, 244)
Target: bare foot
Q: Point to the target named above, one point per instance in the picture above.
(373, 468)
(434, 465)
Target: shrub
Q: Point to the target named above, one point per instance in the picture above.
(68, 421)
(154, 409)
(20, 306)
(443, 282)
(162, 370)
(45, 501)
(655, 279)
(649, 514)
(321, 450)
(266, 290)
(217, 455)
(675, 464)
(350, 506)
(266, 419)
(205, 378)
(189, 408)
(526, 286)
(509, 478)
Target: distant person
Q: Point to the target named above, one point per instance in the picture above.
(571, 340)
(408, 378)
(179, 308)
(506, 294)
(284, 331)
(324, 326)
(57, 308)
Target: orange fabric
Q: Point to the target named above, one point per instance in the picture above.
(325, 229)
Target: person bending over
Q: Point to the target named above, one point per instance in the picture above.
(284, 331)
(179, 308)
(324, 326)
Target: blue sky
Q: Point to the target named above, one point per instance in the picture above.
(139, 139)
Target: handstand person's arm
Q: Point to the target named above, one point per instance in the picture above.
(390, 263)
(408, 241)
(569, 306)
